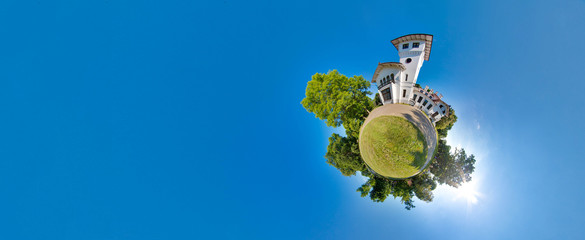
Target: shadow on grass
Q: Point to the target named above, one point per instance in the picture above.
(420, 158)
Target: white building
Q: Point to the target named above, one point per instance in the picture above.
(396, 80)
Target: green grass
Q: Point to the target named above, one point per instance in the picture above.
(393, 147)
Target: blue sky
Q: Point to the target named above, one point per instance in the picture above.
(182, 119)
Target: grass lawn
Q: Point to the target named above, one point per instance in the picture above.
(393, 147)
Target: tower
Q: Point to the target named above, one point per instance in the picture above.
(413, 50)
(396, 80)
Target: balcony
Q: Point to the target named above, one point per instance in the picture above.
(384, 83)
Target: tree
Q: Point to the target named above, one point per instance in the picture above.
(451, 169)
(423, 186)
(448, 168)
(352, 128)
(381, 188)
(338, 100)
(366, 187)
(405, 191)
(465, 164)
(446, 123)
(343, 101)
(344, 154)
(377, 100)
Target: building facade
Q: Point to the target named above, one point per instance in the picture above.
(396, 81)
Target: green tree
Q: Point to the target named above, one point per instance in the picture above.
(352, 128)
(343, 101)
(449, 168)
(465, 165)
(404, 190)
(446, 123)
(366, 187)
(344, 154)
(423, 186)
(381, 188)
(377, 100)
(338, 100)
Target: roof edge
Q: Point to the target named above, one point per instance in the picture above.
(428, 38)
(386, 64)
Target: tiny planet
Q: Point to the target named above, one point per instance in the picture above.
(398, 139)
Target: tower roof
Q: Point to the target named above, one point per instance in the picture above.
(418, 36)
(385, 65)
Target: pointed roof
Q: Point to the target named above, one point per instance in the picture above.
(428, 38)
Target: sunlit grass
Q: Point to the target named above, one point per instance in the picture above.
(393, 147)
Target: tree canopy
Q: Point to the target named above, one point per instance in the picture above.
(339, 100)
(377, 100)
(446, 123)
(344, 154)
(343, 101)
(449, 168)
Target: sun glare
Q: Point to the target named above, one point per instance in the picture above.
(468, 191)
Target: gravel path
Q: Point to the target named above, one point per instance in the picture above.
(415, 116)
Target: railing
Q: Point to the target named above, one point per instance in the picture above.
(383, 84)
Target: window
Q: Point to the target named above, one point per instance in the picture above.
(408, 60)
(404, 93)
(414, 98)
(405, 46)
(441, 106)
(419, 99)
(392, 76)
(386, 94)
(406, 78)
(415, 45)
(385, 81)
(430, 106)
(435, 114)
(443, 112)
(425, 102)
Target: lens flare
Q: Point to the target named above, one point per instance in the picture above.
(469, 192)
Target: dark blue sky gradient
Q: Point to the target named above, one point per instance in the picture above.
(182, 119)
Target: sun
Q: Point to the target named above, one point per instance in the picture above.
(469, 192)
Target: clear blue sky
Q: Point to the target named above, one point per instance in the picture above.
(182, 119)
